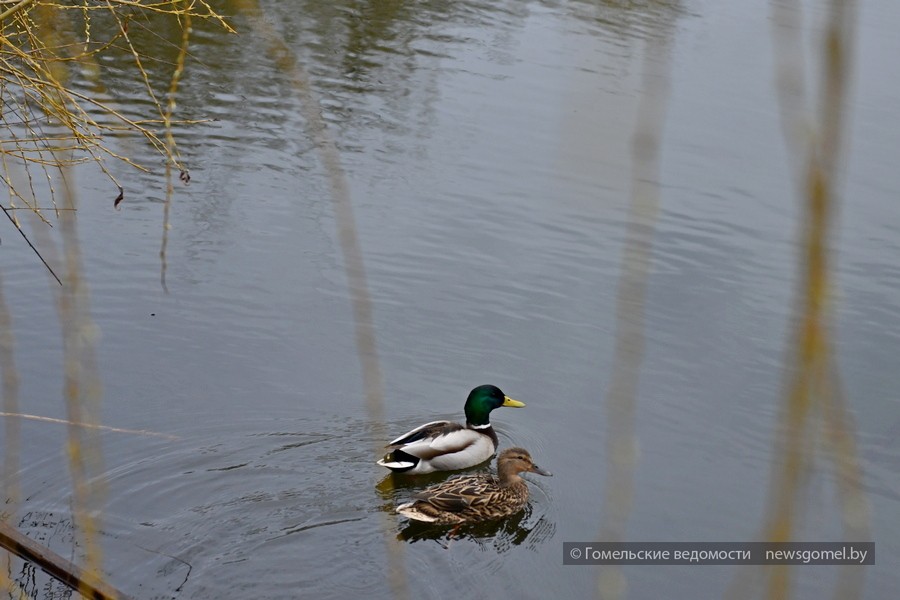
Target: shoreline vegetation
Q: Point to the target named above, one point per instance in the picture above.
(56, 114)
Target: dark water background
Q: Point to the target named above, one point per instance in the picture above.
(487, 151)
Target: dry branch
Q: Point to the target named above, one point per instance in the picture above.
(86, 584)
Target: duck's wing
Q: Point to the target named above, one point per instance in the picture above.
(453, 440)
(439, 446)
(458, 494)
(426, 431)
(446, 501)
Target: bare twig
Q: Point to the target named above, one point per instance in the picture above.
(30, 245)
(88, 425)
(13, 10)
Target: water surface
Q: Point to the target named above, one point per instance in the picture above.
(486, 147)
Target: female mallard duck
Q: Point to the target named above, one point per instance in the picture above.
(447, 446)
(476, 497)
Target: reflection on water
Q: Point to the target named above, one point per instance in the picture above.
(500, 535)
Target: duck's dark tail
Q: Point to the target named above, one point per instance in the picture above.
(399, 461)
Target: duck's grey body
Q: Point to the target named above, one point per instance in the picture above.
(440, 446)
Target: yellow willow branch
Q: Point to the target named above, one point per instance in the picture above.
(11, 11)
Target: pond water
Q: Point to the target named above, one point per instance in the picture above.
(485, 148)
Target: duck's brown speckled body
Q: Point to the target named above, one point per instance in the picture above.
(476, 497)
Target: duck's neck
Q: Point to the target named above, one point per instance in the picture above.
(509, 476)
(477, 418)
(486, 430)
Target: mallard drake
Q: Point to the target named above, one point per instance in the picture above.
(481, 497)
(447, 446)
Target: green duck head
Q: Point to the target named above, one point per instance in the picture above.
(482, 400)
